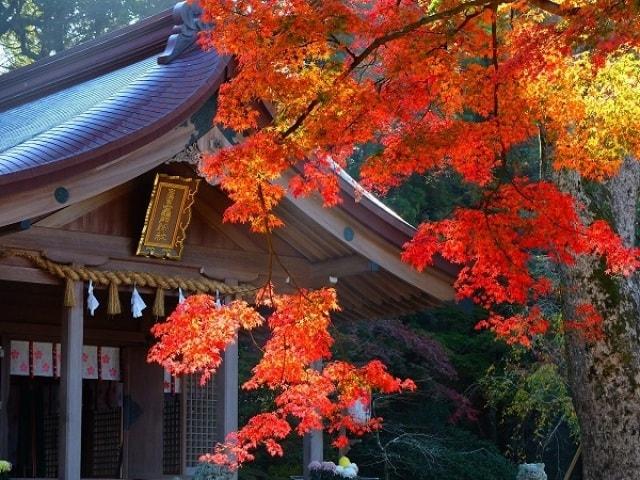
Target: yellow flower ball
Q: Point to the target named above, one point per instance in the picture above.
(344, 462)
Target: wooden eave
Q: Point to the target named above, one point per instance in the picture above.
(386, 223)
(98, 232)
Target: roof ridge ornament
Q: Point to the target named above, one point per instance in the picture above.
(187, 15)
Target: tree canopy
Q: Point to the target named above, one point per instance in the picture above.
(427, 87)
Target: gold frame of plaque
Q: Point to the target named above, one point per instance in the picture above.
(168, 216)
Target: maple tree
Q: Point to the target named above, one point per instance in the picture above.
(197, 332)
(441, 85)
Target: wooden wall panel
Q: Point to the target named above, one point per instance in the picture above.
(201, 233)
(122, 216)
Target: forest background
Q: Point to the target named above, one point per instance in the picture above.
(481, 407)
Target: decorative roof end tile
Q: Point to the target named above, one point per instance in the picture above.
(187, 17)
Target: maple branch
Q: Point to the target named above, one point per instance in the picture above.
(300, 120)
(411, 27)
(496, 69)
(494, 60)
(389, 37)
(272, 252)
(272, 255)
(496, 241)
(342, 45)
(255, 343)
(554, 8)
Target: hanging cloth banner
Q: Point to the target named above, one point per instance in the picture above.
(109, 363)
(19, 358)
(90, 362)
(360, 411)
(42, 359)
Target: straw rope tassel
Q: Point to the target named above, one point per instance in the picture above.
(113, 306)
(69, 297)
(158, 303)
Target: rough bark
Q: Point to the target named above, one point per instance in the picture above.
(605, 376)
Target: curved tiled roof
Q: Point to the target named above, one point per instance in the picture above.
(85, 116)
(158, 100)
(25, 121)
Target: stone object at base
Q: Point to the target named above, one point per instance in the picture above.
(531, 471)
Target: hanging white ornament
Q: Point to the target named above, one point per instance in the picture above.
(137, 303)
(92, 301)
(360, 412)
(218, 302)
(181, 297)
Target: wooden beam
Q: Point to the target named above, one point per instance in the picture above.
(300, 242)
(391, 284)
(311, 232)
(403, 295)
(51, 333)
(367, 302)
(363, 306)
(223, 262)
(307, 237)
(26, 274)
(400, 290)
(367, 295)
(380, 287)
(62, 256)
(342, 267)
(72, 212)
(71, 388)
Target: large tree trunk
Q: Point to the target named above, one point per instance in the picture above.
(604, 376)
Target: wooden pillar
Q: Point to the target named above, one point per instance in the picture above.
(4, 397)
(312, 445)
(227, 385)
(311, 450)
(229, 371)
(69, 453)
